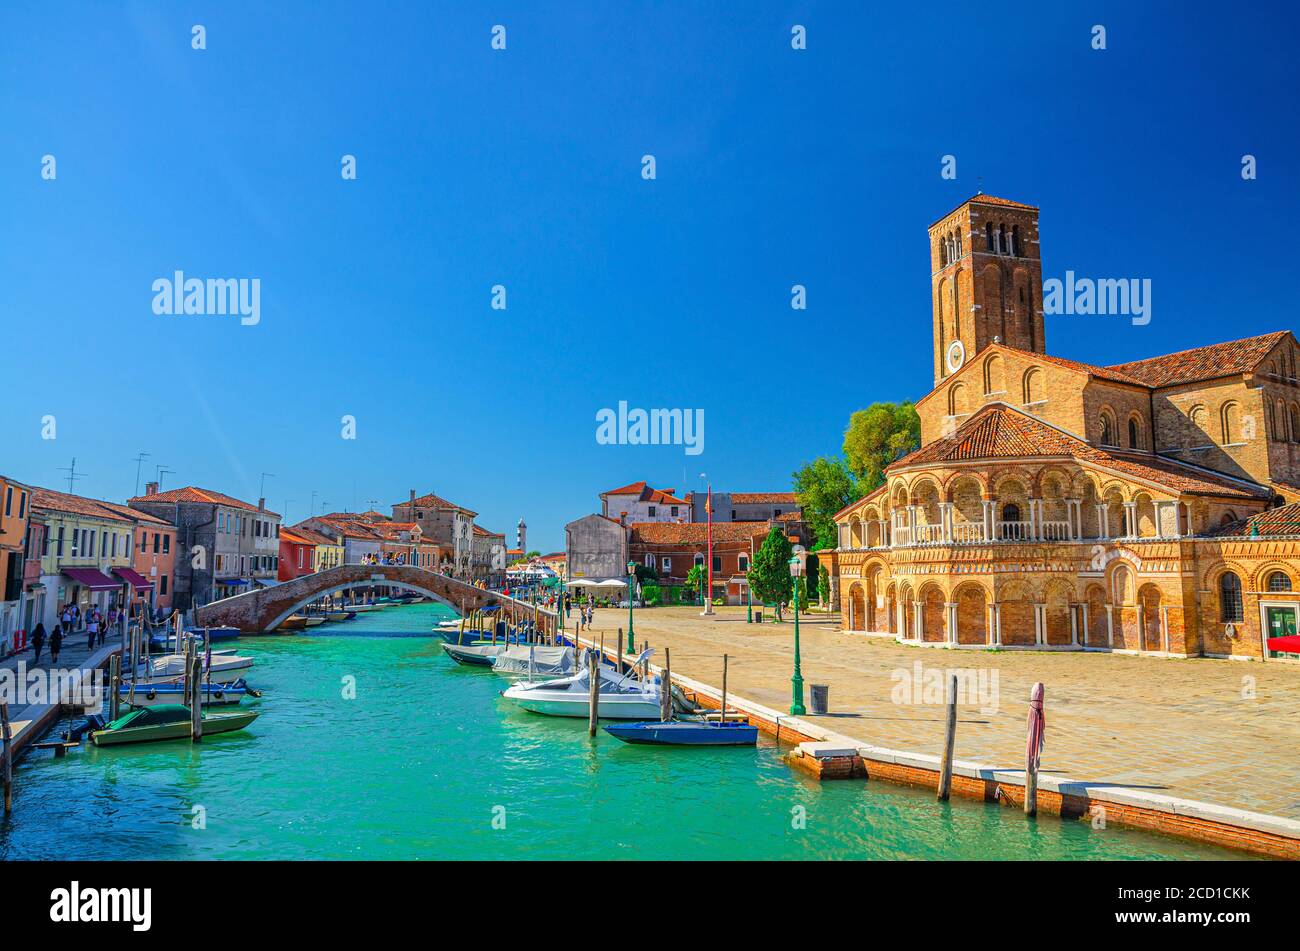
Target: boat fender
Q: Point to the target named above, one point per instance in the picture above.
(151, 695)
(216, 695)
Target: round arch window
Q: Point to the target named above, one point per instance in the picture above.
(1279, 581)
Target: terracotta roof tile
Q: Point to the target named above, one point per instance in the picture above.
(688, 533)
(1283, 521)
(999, 431)
(764, 498)
(192, 493)
(53, 501)
(1203, 363)
(431, 501)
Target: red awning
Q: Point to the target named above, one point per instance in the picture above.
(92, 578)
(138, 581)
(1287, 645)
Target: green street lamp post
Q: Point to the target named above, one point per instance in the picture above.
(796, 681)
(631, 592)
(749, 603)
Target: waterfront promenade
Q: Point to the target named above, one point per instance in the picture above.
(1215, 731)
(29, 721)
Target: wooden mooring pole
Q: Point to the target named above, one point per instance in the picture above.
(949, 738)
(1033, 748)
(8, 755)
(196, 699)
(114, 685)
(593, 698)
(724, 688)
(666, 689)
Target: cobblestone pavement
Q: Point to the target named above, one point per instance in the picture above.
(1219, 731)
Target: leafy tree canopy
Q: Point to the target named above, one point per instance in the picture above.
(823, 487)
(769, 575)
(877, 436)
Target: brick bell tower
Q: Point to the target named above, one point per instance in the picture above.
(986, 281)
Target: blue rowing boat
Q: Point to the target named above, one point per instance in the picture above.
(685, 733)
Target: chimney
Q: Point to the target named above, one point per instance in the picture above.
(261, 505)
(151, 488)
(412, 496)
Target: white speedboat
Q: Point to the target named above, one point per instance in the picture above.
(173, 665)
(532, 661)
(617, 698)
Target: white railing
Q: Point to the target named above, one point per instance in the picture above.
(928, 534)
(1013, 531)
(1056, 531)
(966, 533)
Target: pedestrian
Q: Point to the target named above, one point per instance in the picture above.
(92, 626)
(38, 641)
(56, 643)
(66, 616)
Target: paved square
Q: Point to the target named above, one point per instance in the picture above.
(1218, 731)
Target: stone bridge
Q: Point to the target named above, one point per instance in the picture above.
(264, 609)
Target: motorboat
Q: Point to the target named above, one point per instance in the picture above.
(315, 620)
(534, 661)
(168, 721)
(686, 733)
(294, 622)
(617, 697)
(152, 694)
(167, 666)
(477, 654)
(340, 615)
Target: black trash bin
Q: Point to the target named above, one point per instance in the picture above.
(820, 697)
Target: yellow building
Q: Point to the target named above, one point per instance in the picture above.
(15, 500)
(85, 541)
(1058, 505)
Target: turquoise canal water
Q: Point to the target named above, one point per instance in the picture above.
(420, 763)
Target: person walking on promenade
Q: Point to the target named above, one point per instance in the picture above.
(92, 626)
(38, 641)
(56, 644)
(66, 617)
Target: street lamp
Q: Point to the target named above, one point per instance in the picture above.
(631, 591)
(796, 681)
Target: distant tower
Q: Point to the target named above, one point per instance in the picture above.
(986, 279)
(521, 537)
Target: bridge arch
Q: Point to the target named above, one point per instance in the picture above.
(265, 609)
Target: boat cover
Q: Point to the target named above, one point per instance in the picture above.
(151, 716)
(546, 660)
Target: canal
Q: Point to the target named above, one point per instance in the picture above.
(427, 761)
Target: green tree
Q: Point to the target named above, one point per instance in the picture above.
(769, 575)
(823, 487)
(823, 584)
(877, 436)
(695, 580)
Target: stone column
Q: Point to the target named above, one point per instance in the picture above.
(1110, 625)
(945, 520)
(1103, 521)
(997, 624)
(1083, 610)
(1130, 520)
(989, 534)
(1040, 624)
(952, 621)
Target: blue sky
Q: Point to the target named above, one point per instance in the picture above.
(522, 168)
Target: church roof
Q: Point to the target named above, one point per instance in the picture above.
(1202, 363)
(999, 431)
(979, 198)
(1281, 521)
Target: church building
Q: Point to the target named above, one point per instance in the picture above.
(1147, 507)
